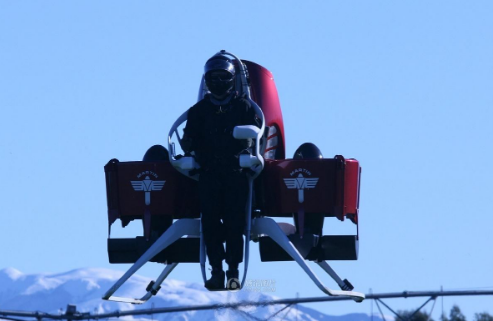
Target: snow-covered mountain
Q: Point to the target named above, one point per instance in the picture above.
(84, 288)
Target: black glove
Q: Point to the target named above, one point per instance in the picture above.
(186, 144)
(246, 143)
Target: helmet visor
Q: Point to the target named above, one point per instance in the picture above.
(219, 75)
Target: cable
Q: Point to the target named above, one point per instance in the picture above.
(371, 306)
(379, 309)
(119, 314)
(276, 313)
(431, 311)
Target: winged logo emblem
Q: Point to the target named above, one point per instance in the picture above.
(147, 185)
(301, 183)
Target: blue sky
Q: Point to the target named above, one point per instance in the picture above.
(405, 87)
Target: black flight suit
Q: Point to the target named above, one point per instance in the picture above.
(223, 185)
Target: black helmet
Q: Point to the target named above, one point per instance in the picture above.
(219, 74)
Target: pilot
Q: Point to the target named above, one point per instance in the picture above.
(223, 185)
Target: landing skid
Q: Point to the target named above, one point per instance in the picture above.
(180, 228)
(268, 226)
(191, 227)
(152, 288)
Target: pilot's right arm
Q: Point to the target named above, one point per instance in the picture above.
(191, 134)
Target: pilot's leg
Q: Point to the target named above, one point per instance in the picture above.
(213, 230)
(235, 198)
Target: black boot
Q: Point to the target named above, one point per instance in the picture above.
(233, 283)
(216, 282)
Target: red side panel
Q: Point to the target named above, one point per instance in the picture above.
(310, 184)
(136, 187)
(352, 177)
(328, 186)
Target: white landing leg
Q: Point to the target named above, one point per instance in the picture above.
(190, 227)
(269, 227)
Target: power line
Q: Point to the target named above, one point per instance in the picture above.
(219, 306)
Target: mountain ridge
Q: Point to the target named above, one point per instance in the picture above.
(84, 287)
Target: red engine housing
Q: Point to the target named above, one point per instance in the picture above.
(335, 193)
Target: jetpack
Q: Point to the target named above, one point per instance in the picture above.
(162, 191)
